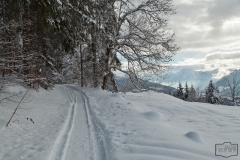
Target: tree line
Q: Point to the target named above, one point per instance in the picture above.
(228, 94)
(84, 41)
(211, 95)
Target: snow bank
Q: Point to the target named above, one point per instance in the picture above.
(26, 139)
(148, 125)
(15, 89)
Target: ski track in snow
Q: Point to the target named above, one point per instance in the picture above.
(60, 144)
(78, 137)
(100, 151)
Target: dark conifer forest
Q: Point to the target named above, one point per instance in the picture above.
(84, 41)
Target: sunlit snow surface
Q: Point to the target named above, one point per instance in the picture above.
(90, 124)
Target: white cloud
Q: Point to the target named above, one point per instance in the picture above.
(221, 61)
(223, 56)
(208, 34)
(221, 73)
(207, 24)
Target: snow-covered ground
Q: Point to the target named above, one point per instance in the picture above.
(72, 123)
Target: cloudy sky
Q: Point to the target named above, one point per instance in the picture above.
(208, 32)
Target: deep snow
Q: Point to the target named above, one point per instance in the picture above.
(72, 123)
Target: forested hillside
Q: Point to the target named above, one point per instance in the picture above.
(84, 41)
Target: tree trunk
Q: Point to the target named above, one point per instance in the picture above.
(81, 67)
(94, 57)
(106, 71)
(26, 41)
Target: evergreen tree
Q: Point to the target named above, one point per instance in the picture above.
(169, 92)
(211, 94)
(186, 94)
(192, 94)
(201, 98)
(179, 92)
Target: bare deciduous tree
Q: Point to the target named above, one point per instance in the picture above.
(232, 87)
(140, 34)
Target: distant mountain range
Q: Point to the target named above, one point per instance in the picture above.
(198, 78)
(222, 82)
(125, 84)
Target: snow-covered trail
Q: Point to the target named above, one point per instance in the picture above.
(78, 137)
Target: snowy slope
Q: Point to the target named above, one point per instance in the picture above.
(90, 124)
